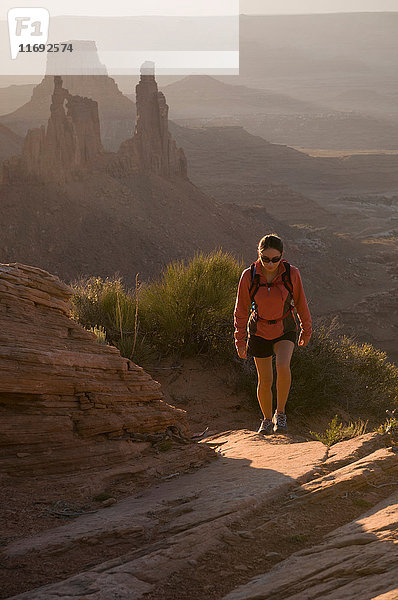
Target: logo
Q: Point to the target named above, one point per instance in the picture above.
(27, 26)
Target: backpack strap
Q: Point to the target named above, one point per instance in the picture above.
(287, 282)
(286, 278)
(255, 281)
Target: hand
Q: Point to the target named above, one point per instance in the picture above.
(242, 353)
(302, 342)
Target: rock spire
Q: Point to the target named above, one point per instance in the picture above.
(151, 149)
(66, 149)
(71, 144)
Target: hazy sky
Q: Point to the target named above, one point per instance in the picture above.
(201, 7)
(129, 7)
(280, 7)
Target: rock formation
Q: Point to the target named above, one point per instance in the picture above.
(116, 111)
(68, 147)
(358, 560)
(71, 145)
(151, 149)
(10, 143)
(83, 59)
(67, 402)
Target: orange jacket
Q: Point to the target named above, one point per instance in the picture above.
(272, 303)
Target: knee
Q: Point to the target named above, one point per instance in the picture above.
(283, 368)
(265, 382)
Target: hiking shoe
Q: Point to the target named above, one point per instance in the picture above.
(265, 427)
(280, 422)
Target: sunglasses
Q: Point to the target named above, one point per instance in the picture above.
(266, 259)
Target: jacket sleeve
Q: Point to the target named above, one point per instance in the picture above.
(301, 305)
(241, 312)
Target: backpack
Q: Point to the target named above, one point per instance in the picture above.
(255, 285)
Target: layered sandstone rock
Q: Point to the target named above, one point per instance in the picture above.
(69, 146)
(66, 399)
(151, 149)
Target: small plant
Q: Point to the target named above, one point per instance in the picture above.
(103, 302)
(390, 427)
(391, 423)
(105, 307)
(100, 333)
(337, 431)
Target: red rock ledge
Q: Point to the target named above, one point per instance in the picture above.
(65, 397)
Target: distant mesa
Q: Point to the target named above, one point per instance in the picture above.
(71, 145)
(83, 60)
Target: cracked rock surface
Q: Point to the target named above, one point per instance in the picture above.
(182, 517)
(358, 560)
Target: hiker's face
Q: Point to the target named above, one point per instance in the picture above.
(266, 257)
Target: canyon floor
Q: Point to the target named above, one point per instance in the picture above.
(264, 517)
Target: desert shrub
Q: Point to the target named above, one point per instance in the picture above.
(190, 309)
(337, 432)
(100, 333)
(331, 370)
(105, 307)
(103, 303)
(390, 427)
(187, 311)
(335, 368)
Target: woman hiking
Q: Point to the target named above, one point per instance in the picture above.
(267, 290)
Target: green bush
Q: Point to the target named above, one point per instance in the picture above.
(190, 309)
(106, 308)
(334, 368)
(103, 303)
(337, 432)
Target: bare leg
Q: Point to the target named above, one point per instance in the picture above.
(264, 387)
(283, 351)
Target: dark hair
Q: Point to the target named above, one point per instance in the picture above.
(270, 241)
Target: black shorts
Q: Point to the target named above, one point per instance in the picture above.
(262, 348)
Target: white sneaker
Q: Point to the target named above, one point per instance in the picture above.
(265, 427)
(280, 422)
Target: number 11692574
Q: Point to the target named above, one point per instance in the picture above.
(61, 47)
